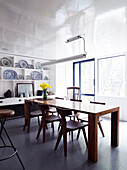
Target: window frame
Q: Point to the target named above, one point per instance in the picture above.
(79, 62)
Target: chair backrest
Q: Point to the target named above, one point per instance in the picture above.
(78, 88)
(75, 100)
(43, 108)
(97, 102)
(73, 94)
(63, 113)
(28, 102)
(59, 98)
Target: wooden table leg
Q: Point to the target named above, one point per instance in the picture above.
(92, 137)
(26, 119)
(44, 124)
(115, 128)
(27, 116)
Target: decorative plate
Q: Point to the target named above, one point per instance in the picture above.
(10, 74)
(46, 68)
(31, 66)
(23, 64)
(36, 75)
(17, 65)
(46, 78)
(20, 77)
(38, 65)
(5, 62)
(27, 77)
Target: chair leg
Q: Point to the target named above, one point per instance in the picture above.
(1, 130)
(72, 135)
(44, 124)
(59, 126)
(78, 134)
(53, 127)
(26, 121)
(84, 133)
(38, 121)
(99, 124)
(65, 143)
(41, 125)
(58, 140)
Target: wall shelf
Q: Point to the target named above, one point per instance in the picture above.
(6, 84)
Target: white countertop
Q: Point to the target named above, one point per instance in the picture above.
(18, 100)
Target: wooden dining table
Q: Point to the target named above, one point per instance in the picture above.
(94, 112)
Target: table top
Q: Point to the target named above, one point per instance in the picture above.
(79, 106)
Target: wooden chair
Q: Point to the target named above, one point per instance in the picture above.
(75, 115)
(61, 98)
(85, 119)
(46, 118)
(69, 126)
(74, 97)
(30, 114)
(74, 94)
(53, 109)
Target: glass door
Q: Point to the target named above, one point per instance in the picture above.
(84, 77)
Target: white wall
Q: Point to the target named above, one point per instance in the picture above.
(64, 78)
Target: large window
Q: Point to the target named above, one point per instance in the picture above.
(111, 76)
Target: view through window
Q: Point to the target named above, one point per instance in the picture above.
(111, 76)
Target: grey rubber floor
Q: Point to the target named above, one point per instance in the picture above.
(38, 156)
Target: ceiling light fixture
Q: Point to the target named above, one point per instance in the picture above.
(68, 58)
(64, 59)
(73, 38)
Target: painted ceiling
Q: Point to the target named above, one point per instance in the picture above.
(27, 25)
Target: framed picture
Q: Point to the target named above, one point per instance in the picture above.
(23, 88)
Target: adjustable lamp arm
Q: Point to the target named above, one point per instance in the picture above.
(75, 38)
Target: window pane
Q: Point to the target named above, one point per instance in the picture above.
(77, 75)
(87, 77)
(112, 76)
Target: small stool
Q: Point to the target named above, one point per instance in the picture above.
(6, 113)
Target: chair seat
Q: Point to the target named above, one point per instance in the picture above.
(36, 113)
(6, 113)
(52, 118)
(74, 125)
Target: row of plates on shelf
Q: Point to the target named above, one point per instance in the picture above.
(12, 75)
(22, 64)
